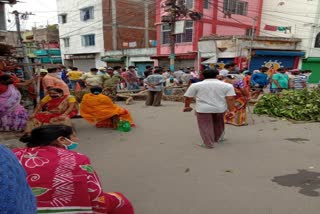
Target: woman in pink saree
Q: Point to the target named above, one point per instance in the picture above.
(13, 117)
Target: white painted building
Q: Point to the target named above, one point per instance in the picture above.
(81, 33)
(300, 19)
(302, 16)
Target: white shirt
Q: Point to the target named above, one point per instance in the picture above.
(178, 74)
(211, 95)
(223, 72)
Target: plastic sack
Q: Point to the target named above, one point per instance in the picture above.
(124, 126)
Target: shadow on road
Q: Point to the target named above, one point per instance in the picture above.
(308, 181)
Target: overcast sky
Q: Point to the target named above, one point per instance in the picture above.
(45, 12)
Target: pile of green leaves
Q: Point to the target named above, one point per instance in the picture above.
(299, 105)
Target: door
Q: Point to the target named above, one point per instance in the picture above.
(141, 67)
(84, 64)
(315, 68)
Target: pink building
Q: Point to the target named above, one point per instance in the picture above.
(220, 17)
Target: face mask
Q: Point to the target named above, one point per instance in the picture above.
(57, 75)
(54, 97)
(71, 146)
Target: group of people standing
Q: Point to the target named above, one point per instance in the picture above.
(281, 79)
(63, 181)
(222, 96)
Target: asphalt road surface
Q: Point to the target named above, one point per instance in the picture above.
(271, 167)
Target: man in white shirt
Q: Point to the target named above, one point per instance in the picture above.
(213, 99)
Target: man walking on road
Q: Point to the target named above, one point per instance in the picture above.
(155, 86)
(213, 99)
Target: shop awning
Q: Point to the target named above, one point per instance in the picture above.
(279, 53)
(212, 60)
(178, 56)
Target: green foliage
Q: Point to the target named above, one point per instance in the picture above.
(299, 105)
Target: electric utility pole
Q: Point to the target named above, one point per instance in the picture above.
(253, 33)
(20, 41)
(173, 37)
(177, 10)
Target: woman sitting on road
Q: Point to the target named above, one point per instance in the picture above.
(55, 108)
(62, 180)
(13, 117)
(99, 110)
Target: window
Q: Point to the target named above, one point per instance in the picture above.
(187, 36)
(317, 42)
(88, 40)
(66, 42)
(166, 32)
(206, 4)
(86, 14)
(189, 4)
(242, 8)
(249, 32)
(235, 7)
(62, 18)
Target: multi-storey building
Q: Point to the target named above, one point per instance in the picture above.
(81, 32)
(220, 17)
(97, 32)
(296, 19)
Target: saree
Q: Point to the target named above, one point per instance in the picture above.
(99, 110)
(51, 112)
(240, 118)
(13, 117)
(64, 181)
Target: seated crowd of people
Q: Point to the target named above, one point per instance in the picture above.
(57, 105)
(55, 179)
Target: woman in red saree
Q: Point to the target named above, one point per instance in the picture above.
(64, 181)
(241, 100)
(55, 108)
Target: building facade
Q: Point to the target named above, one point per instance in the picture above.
(296, 19)
(9, 38)
(81, 33)
(42, 45)
(129, 32)
(220, 17)
(107, 32)
(271, 52)
(3, 22)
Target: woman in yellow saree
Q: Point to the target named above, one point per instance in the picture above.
(100, 111)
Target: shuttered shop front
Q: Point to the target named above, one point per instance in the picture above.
(84, 61)
(275, 59)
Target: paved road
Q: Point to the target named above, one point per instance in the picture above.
(160, 168)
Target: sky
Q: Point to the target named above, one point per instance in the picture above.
(45, 12)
